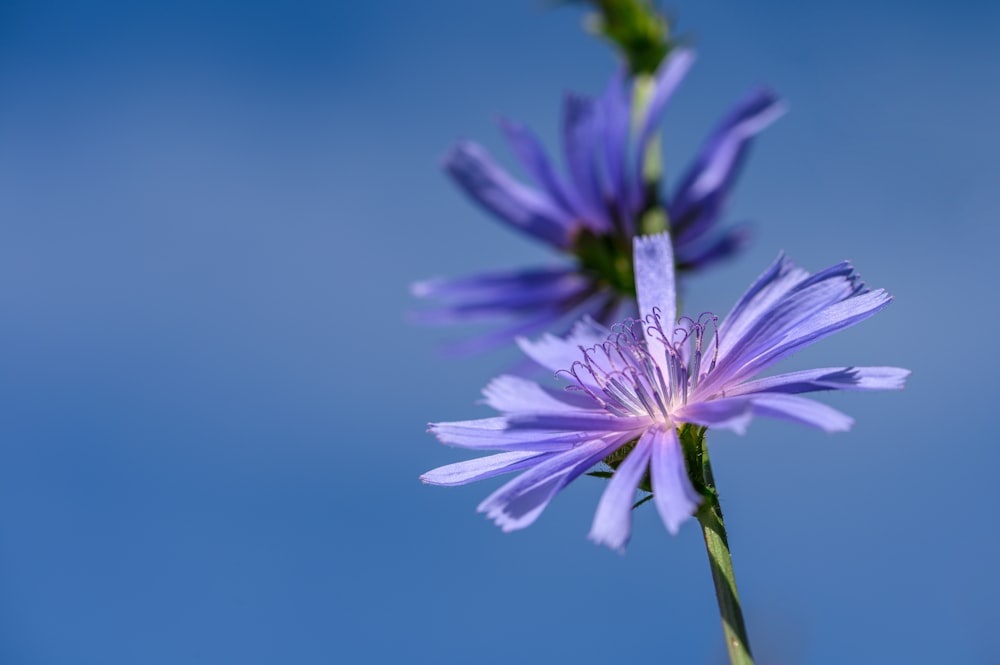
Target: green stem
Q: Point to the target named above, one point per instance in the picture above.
(717, 545)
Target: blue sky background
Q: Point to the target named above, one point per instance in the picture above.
(213, 407)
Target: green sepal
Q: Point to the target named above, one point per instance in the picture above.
(609, 257)
(692, 441)
(642, 501)
(607, 475)
(692, 438)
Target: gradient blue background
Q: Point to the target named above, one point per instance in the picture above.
(213, 409)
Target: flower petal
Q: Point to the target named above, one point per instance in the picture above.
(800, 410)
(779, 278)
(806, 299)
(654, 278)
(613, 520)
(489, 284)
(530, 153)
(832, 319)
(495, 434)
(519, 503)
(827, 378)
(616, 106)
(784, 311)
(557, 353)
(523, 208)
(514, 394)
(582, 140)
(462, 473)
(732, 413)
(500, 295)
(580, 305)
(705, 188)
(694, 256)
(675, 497)
(577, 421)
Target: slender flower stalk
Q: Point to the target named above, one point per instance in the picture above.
(590, 216)
(721, 562)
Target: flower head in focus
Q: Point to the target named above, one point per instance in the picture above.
(633, 387)
(611, 195)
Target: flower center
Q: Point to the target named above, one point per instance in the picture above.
(640, 370)
(609, 257)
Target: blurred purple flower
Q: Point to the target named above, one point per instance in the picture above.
(594, 213)
(637, 384)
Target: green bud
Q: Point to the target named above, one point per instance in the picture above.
(639, 31)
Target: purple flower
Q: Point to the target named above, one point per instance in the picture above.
(631, 388)
(593, 214)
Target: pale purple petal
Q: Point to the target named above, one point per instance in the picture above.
(826, 378)
(806, 300)
(587, 332)
(581, 140)
(556, 353)
(616, 104)
(462, 473)
(800, 410)
(495, 434)
(705, 188)
(523, 208)
(490, 284)
(675, 497)
(532, 156)
(518, 503)
(779, 278)
(654, 278)
(537, 321)
(491, 296)
(784, 311)
(514, 394)
(551, 352)
(833, 319)
(577, 421)
(694, 256)
(732, 413)
(613, 520)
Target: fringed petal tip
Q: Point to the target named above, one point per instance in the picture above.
(605, 541)
(895, 378)
(507, 519)
(458, 153)
(763, 105)
(505, 522)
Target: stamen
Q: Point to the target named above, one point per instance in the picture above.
(633, 381)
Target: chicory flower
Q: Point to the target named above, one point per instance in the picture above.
(592, 215)
(633, 387)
